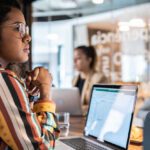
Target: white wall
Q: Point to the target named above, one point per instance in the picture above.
(47, 37)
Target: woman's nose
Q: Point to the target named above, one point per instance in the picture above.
(27, 38)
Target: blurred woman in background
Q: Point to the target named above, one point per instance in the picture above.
(85, 63)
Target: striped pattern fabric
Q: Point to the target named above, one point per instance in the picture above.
(20, 127)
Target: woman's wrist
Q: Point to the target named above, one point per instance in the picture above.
(45, 91)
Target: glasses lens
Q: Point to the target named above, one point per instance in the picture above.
(27, 30)
(23, 29)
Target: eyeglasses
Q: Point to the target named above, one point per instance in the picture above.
(21, 28)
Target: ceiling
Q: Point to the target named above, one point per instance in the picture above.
(73, 8)
(77, 8)
(110, 22)
(47, 5)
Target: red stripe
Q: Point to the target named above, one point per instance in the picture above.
(3, 145)
(23, 105)
(19, 94)
(10, 125)
(28, 116)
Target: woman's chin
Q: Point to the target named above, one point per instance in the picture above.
(23, 60)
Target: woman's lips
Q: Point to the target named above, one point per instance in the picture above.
(26, 49)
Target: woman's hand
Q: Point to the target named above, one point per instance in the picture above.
(32, 89)
(40, 79)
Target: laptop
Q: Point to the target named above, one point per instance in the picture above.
(108, 122)
(67, 100)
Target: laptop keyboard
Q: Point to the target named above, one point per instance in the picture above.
(82, 144)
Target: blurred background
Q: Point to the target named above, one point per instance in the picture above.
(119, 30)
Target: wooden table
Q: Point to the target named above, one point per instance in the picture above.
(76, 129)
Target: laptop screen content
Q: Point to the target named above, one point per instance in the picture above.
(110, 114)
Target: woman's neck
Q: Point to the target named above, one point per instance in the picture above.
(85, 73)
(3, 63)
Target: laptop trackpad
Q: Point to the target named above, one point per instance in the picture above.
(60, 145)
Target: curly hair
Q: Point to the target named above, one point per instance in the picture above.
(5, 8)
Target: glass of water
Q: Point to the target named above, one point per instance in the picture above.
(63, 119)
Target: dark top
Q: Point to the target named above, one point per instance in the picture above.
(80, 84)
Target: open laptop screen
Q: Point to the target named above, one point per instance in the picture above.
(110, 114)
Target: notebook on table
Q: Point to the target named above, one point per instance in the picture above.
(109, 120)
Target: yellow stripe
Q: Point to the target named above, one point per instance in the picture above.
(5, 133)
(44, 107)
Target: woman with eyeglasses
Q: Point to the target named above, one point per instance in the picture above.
(22, 128)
